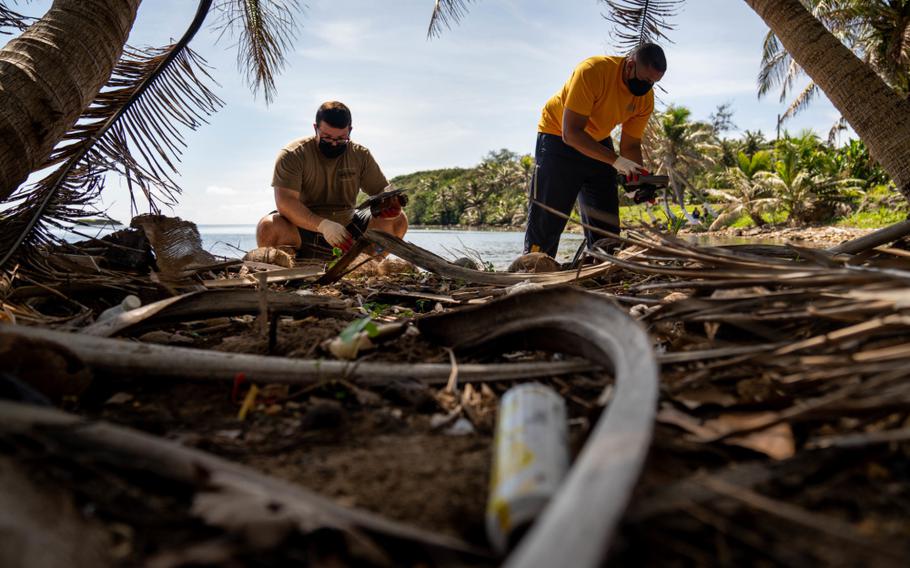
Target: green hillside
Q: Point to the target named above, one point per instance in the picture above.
(492, 193)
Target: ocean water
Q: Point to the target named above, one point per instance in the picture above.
(497, 247)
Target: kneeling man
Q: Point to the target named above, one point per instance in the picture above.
(316, 181)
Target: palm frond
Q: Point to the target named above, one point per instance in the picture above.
(801, 102)
(266, 30)
(775, 61)
(777, 66)
(640, 21)
(794, 72)
(839, 126)
(13, 20)
(148, 93)
(446, 13)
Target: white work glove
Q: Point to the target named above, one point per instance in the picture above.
(626, 167)
(334, 233)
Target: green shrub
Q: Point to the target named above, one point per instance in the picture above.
(881, 217)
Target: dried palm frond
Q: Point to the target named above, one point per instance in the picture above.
(11, 19)
(265, 30)
(640, 21)
(148, 94)
(803, 100)
(446, 13)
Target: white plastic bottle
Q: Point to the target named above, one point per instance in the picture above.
(128, 303)
(531, 457)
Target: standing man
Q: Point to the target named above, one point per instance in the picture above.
(574, 154)
(316, 181)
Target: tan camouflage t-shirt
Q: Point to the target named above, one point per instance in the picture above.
(328, 186)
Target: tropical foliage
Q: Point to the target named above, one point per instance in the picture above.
(680, 148)
(492, 193)
(747, 192)
(798, 179)
(799, 176)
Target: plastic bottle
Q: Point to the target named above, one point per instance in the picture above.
(530, 459)
(128, 303)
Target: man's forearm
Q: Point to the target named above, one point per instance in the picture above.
(292, 209)
(584, 143)
(631, 149)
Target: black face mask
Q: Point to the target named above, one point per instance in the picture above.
(331, 151)
(639, 87)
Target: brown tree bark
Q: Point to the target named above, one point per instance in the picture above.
(877, 113)
(50, 73)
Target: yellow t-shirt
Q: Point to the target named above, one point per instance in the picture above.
(328, 186)
(596, 90)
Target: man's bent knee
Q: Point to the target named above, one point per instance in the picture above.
(273, 230)
(397, 226)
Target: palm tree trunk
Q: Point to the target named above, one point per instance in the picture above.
(50, 73)
(878, 115)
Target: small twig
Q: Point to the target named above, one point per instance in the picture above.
(263, 280)
(227, 244)
(273, 333)
(450, 418)
(452, 384)
(862, 440)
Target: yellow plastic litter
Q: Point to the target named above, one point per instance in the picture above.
(248, 402)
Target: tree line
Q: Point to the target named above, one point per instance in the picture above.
(492, 193)
(715, 180)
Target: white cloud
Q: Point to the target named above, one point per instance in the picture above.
(347, 41)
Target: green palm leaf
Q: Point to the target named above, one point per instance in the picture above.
(266, 30)
(640, 21)
(775, 63)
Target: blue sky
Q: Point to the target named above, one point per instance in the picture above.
(422, 104)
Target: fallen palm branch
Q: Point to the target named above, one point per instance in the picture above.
(577, 526)
(130, 359)
(211, 304)
(274, 275)
(873, 240)
(438, 265)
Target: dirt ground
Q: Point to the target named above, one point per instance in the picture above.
(421, 454)
(380, 449)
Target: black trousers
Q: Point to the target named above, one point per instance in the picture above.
(563, 174)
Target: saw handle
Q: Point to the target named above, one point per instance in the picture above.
(389, 207)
